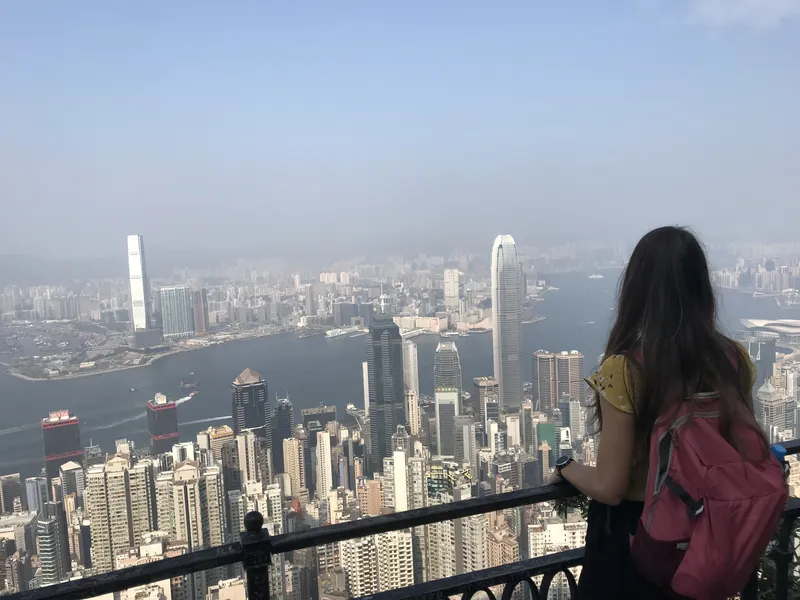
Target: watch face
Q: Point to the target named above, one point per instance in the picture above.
(562, 461)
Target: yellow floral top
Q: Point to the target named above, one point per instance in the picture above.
(612, 382)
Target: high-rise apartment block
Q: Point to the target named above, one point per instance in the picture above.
(555, 375)
(177, 311)
(452, 290)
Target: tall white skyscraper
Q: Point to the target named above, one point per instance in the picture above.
(410, 366)
(452, 293)
(141, 309)
(324, 468)
(507, 320)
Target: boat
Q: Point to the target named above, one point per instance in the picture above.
(411, 333)
(133, 389)
(596, 276)
(187, 385)
(463, 334)
(448, 334)
(340, 332)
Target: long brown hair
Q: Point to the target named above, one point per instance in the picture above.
(666, 314)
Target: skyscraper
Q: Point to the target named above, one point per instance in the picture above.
(466, 450)
(384, 353)
(507, 320)
(452, 293)
(447, 395)
(162, 423)
(177, 311)
(545, 396)
(250, 405)
(324, 467)
(141, 308)
(485, 391)
(294, 463)
(569, 375)
(282, 428)
(555, 375)
(447, 369)
(36, 493)
(61, 433)
(410, 366)
(413, 415)
(51, 531)
(200, 310)
(10, 493)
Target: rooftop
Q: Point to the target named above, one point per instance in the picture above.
(790, 326)
(248, 377)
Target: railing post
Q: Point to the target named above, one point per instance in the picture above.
(256, 556)
(783, 558)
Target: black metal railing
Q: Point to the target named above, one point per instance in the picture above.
(256, 549)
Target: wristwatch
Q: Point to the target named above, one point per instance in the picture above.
(561, 462)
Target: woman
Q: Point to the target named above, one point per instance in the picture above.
(666, 317)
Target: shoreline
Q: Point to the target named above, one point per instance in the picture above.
(153, 360)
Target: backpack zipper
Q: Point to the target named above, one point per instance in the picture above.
(677, 424)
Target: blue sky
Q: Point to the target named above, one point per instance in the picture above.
(548, 120)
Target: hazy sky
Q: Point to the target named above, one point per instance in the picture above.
(345, 126)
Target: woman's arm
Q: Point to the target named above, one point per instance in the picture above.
(607, 482)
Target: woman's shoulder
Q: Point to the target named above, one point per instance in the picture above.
(610, 380)
(746, 361)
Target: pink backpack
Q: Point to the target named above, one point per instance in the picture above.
(708, 514)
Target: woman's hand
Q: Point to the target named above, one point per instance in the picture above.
(554, 479)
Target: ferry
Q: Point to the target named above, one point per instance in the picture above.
(596, 276)
(448, 334)
(411, 333)
(340, 332)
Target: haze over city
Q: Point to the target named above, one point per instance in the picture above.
(189, 122)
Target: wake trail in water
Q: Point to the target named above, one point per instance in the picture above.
(19, 428)
(133, 418)
(209, 420)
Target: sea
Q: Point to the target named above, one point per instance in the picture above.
(311, 371)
